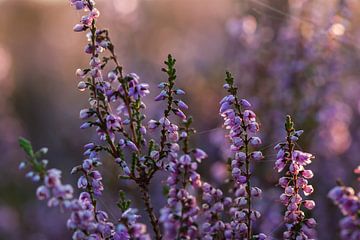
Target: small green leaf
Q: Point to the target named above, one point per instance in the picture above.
(289, 124)
(26, 146)
(229, 78)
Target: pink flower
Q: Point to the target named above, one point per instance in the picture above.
(42, 193)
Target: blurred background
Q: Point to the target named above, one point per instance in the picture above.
(298, 57)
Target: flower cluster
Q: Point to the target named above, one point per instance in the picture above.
(130, 228)
(121, 131)
(295, 184)
(194, 209)
(91, 178)
(85, 221)
(242, 126)
(52, 188)
(348, 202)
(214, 204)
(179, 215)
(169, 130)
(54, 191)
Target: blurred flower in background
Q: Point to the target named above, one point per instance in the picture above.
(289, 57)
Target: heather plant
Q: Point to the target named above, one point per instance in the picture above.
(348, 201)
(295, 185)
(141, 148)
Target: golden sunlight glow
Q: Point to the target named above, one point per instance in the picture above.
(249, 25)
(337, 29)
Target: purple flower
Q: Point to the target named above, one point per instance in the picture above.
(295, 185)
(42, 193)
(241, 123)
(162, 96)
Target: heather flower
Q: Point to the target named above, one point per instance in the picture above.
(86, 221)
(348, 202)
(241, 123)
(180, 214)
(295, 185)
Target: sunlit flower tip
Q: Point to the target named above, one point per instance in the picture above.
(86, 20)
(112, 76)
(82, 182)
(261, 236)
(308, 189)
(240, 156)
(224, 107)
(182, 105)
(179, 113)
(242, 228)
(122, 143)
(162, 85)
(357, 170)
(236, 171)
(164, 122)
(95, 73)
(82, 86)
(79, 28)
(279, 146)
(105, 44)
(94, 62)
(253, 127)
(126, 169)
(22, 165)
(249, 116)
(302, 158)
(294, 138)
(79, 73)
(256, 192)
(155, 155)
(162, 96)
(283, 182)
(179, 92)
(95, 13)
(307, 174)
(255, 141)
(87, 164)
(199, 154)
(175, 147)
(309, 204)
(89, 146)
(52, 178)
(35, 178)
(245, 103)
(45, 162)
(130, 215)
(185, 159)
(226, 86)
(280, 165)
(75, 169)
(131, 145)
(85, 113)
(152, 124)
(183, 135)
(42, 193)
(143, 130)
(257, 155)
(289, 190)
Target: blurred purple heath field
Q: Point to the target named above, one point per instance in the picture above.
(141, 148)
